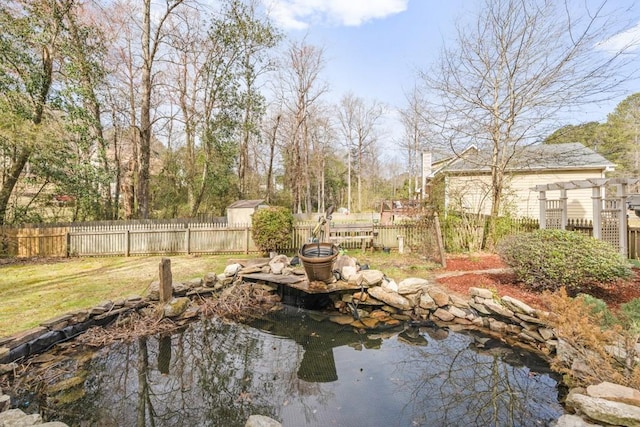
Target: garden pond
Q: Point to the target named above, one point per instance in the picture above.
(300, 369)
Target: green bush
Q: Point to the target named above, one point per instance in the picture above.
(272, 228)
(551, 259)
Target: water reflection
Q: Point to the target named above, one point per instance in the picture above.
(303, 370)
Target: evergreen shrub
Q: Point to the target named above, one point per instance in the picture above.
(551, 259)
(272, 228)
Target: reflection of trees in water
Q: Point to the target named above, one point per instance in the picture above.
(476, 387)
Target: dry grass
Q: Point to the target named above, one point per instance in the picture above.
(31, 292)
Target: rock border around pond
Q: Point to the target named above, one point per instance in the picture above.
(370, 301)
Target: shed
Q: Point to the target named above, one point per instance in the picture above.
(240, 212)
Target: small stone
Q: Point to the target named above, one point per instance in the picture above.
(533, 334)
(457, 312)
(498, 309)
(412, 285)
(8, 367)
(390, 298)
(481, 292)
(210, 280)
(516, 305)
(548, 334)
(389, 285)
(370, 277)
(232, 269)
(480, 308)
(370, 322)
(440, 297)
(348, 272)
(458, 301)
(17, 418)
(426, 302)
(392, 322)
(361, 296)
(196, 282)
(176, 307)
(530, 319)
(497, 326)
(443, 315)
(276, 267)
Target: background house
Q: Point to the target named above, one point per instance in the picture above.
(465, 179)
(240, 212)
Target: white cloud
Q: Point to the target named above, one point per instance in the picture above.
(626, 40)
(299, 14)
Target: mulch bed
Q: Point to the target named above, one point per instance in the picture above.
(505, 283)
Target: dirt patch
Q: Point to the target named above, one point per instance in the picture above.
(505, 283)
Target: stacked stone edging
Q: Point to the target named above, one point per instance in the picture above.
(378, 301)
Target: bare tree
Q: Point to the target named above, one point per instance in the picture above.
(301, 89)
(514, 71)
(414, 139)
(359, 123)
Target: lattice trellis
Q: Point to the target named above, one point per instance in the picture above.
(609, 215)
(610, 220)
(553, 214)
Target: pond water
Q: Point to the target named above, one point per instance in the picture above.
(302, 370)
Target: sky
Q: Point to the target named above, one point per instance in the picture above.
(374, 48)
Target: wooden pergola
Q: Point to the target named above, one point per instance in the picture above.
(609, 214)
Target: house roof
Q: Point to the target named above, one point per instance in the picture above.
(567, 156)
(245, 204)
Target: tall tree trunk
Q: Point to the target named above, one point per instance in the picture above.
(145, 115)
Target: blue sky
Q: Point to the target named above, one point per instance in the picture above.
(374, 47)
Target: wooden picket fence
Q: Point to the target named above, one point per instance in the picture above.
(131, 238)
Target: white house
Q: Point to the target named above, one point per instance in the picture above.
(467, 178)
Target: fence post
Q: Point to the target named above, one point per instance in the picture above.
(127, 243)
(188, 240)
(68, 240)
(436, 225)
(246, 238)
(166, 281)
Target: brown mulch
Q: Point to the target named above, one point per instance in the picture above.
(505, 283)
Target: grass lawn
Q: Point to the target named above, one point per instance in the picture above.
(31, 292)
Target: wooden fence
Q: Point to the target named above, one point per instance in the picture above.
(129, 238)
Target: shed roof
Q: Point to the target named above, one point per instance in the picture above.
(239, 204)
(567, 156)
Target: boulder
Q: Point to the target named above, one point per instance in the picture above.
(606, 411)
(390, 298)
(443, 315)
(343, 261)
(458, 301)
(176, 307)
(427, 302)
(412, 285)
(210, 280)
(348, 272)
(232, 269)
(481, 292)
(440, 297)
(517, 306)
(498, 309)
(369, 277)
(389, 285)
(615, 392)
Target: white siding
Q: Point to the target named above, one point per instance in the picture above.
(474, 193)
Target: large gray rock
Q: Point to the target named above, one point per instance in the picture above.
(261, 421)
(369, 277)
(427, 302)
(606, 411)
(390, 298)
(498, 309)
(232, 269)
(389, 285)
(440, 297)
(412, 285)
(517, 306)
(481, 292)
(615, 392)
(17, 418)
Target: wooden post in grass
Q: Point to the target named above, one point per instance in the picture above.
(166, 281)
